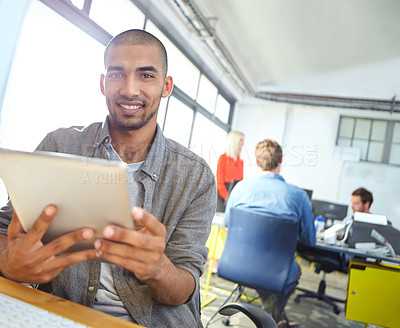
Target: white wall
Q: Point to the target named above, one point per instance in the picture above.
(258, 121)
(307, 135)
(383, 180)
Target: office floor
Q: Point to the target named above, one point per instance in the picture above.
(309, 313)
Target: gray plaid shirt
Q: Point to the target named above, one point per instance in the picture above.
(179, 189)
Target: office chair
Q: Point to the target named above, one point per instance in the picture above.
(258, 253)
(326, 262)
(258, 316)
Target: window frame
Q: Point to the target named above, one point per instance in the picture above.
(387, 141)
(80, 17)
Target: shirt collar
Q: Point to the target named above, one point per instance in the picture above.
(153, 163)
(273, 176)
(104, 135)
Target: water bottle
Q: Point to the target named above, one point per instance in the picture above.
(319, 224)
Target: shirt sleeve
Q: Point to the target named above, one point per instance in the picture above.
(221, 169)
(6, 213)
(307, 228)
(186, 245)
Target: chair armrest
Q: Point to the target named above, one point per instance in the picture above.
(260, 317)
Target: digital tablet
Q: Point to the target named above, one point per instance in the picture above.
(88, 192)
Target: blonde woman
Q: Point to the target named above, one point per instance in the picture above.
(229, 168)
(229, 171)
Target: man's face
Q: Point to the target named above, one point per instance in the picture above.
(358, 206)
(133, 85)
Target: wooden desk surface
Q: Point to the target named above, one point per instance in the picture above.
(62, 307)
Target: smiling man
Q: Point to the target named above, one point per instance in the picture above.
(151, 274)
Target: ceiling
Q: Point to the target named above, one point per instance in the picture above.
(326, 48)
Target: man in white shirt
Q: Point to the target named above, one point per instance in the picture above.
(361, 200)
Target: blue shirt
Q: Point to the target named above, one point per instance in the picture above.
(269, 193)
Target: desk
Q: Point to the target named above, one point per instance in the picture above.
(344, 248)
(62, 307)
(373, 293)
(329, 258)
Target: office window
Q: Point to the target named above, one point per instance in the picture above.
(178, 123)
(52, 82)
(68, 94)
(378, 130)
(378, 140)
(362, 129)
(162, 111)
(395, 146)
(222, 109)
(186, 77)
(117, 15)
(361, 136)
(207, 95)
(208, 140)
(184, 73)
(78, 3)
(345, 131)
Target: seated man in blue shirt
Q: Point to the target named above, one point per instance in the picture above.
(270, 193)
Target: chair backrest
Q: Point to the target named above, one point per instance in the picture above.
(259, 250)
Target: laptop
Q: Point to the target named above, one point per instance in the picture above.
(88, 192)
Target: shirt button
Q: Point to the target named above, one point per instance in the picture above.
(91, 288)
(154, 176)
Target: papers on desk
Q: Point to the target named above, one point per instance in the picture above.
(367, 245)
(370, 218)
(331, 234)
(373, 249)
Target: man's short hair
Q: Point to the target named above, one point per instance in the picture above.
(268, 154)
(138, 37)
(366, 196)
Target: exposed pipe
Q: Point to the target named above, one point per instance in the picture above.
(391, 106)
(207, 34)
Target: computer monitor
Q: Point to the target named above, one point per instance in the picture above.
(360, 232)
(329, 210)
(309, 193)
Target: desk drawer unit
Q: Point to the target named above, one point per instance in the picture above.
(373, 294)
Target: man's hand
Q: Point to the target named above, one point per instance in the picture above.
(142, 251)
(26, 259)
